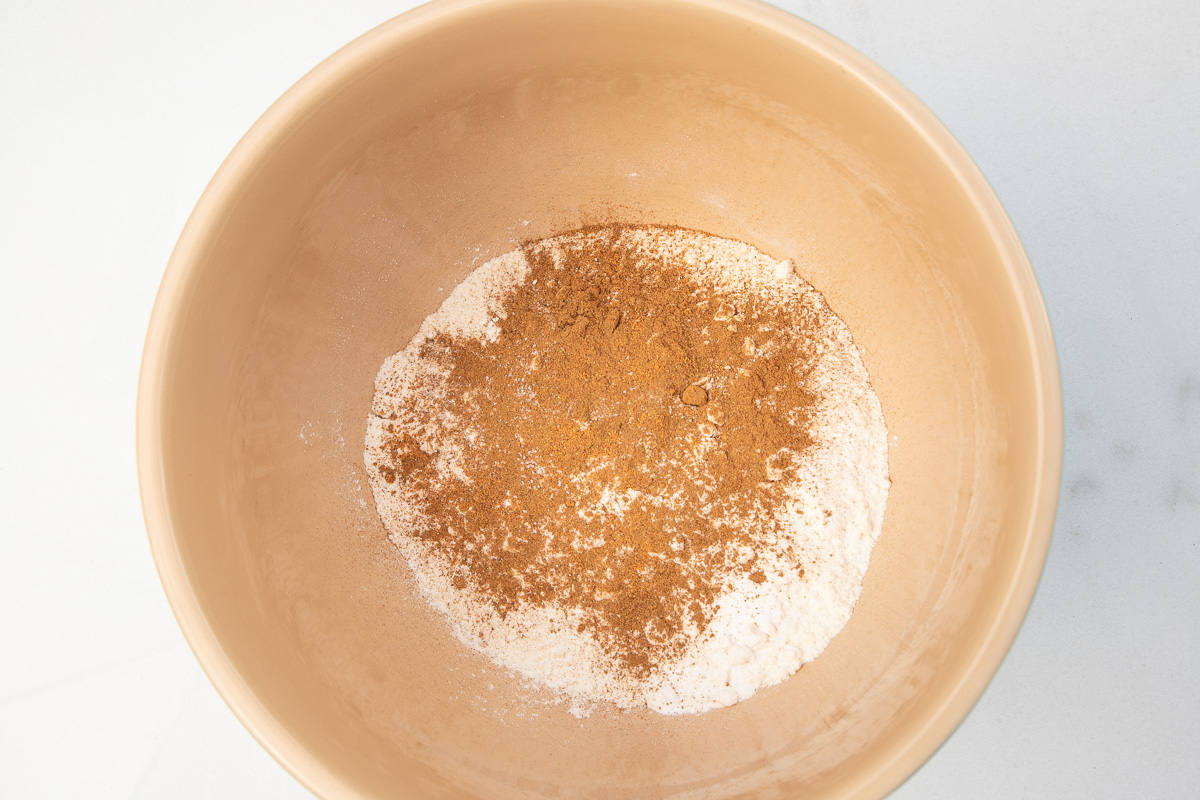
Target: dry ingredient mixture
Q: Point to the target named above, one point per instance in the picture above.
(638, 464)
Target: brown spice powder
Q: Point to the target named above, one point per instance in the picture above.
(630, 429)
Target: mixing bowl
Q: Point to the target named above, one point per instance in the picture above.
(449, 136)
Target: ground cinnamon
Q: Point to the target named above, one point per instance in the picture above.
(630, 429)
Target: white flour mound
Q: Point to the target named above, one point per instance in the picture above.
(761, 632)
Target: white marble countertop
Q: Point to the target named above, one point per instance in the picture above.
(1085, 116)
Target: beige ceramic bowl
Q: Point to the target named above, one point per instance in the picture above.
(448, 136)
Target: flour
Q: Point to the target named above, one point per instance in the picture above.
(808, 566)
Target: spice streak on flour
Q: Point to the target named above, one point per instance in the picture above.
(638, 464)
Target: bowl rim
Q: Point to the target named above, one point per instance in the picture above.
(939, 722)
